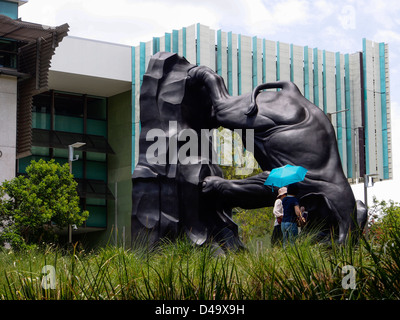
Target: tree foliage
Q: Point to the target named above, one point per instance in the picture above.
(32, 206)
(385, 220)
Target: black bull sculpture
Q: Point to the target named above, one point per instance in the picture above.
(172, 198)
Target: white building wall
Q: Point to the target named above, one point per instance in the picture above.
(330, 85)
(270, 60)
(8, 126)
(284, 61)
(246, 63)
(298, 67)
(234, 64)
(191, 44)
(224, 57)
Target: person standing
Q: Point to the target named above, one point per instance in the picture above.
(291, 210)
(278, 213)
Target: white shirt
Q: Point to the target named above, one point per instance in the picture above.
(278, 210)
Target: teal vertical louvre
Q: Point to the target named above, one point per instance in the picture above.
(316, 77)
(175, 41)
(167, 42)
(219, 52)
(278, 62)
(184, 42)
(198, 45)
(264, 63)
(239, 64)
(324, 81)
(156, 45)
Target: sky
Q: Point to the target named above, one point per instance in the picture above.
(328, 25)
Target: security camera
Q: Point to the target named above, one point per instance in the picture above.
(74, 227)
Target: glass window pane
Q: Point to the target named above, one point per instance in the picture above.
(96, 108)
(68, 105)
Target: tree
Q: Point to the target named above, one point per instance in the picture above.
(385, 220)
(32, 206)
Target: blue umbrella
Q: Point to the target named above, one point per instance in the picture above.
(283, 176)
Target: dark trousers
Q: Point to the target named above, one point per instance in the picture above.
(276, 238)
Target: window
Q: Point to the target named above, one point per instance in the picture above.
(8, 53)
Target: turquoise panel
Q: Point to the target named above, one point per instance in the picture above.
(264, 63)
(239, 64)
(219, 52)
(9, 9)
(184, 42)
(175, 41)
(278, 62)
(142, 67)
(167, 42)
(96, 201)
(24, 162)
(40, 151)
(96, 156)
(198, 45)
(96, 127)
(41, 120)
(316, 78)
(96, 170)
(97, 216)
(324, 81)
(68, 124)
(156, 45)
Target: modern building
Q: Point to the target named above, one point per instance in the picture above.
(90, 93)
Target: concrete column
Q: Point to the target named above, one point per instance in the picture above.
(8, 126)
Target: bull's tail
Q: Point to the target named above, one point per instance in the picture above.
(284, 85)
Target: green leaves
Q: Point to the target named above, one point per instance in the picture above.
(30, 204)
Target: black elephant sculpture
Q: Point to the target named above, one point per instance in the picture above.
(171, 198)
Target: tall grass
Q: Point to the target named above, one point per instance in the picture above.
(181, 271)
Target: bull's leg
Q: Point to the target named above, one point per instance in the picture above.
(248, 193)
(340, 202)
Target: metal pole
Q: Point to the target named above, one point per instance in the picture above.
(116, 213)
(366, 201)
(70, 155)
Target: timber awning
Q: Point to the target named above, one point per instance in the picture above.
(37, 44)
(94, 189)
(61, 139)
